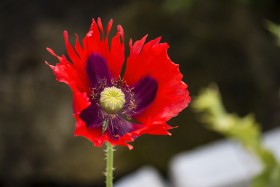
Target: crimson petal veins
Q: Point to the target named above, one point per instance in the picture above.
(116, 106)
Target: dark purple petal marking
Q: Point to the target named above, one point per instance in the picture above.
(145, 92)
(119, 127)
(98, 71)
(92, 116)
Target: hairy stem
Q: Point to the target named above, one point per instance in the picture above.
(109, 164)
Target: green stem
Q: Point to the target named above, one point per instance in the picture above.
(109, 165)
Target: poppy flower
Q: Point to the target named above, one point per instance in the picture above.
(117, 99)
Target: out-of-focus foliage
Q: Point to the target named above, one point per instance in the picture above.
(243, 129)
(275, 30)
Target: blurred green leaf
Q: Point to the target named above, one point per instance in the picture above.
(244, 130)
(268, 178)
(275, 30)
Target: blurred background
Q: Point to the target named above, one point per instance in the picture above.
(219, 41)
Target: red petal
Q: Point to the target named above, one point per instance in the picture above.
(80, 101)
(109, 26)
(100, 25)
(137, 46)
(94, 135)
(92, 41)
(116, 55)
(65, 72)
(72, 53)
(172, 96)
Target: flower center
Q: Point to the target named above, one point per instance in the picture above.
(112, 99)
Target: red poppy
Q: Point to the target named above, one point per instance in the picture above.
(114, 100)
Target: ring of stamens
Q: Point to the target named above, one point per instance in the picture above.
(112, 99)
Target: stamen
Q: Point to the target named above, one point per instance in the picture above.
(112, 100)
